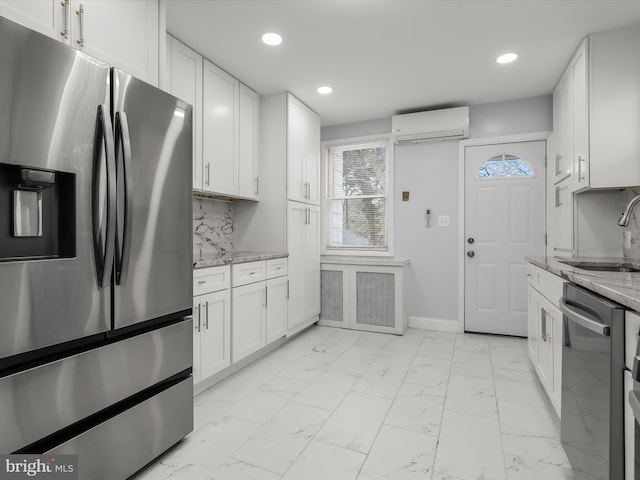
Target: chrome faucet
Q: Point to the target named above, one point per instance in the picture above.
(623, 221)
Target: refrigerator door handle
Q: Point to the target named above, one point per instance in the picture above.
(123, 157)
(104, 254)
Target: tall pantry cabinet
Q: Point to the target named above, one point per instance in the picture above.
(287, 218)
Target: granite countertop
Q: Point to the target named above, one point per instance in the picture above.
(215, 259)
(621, 287)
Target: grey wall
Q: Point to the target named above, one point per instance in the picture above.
(360, 129)
(527, 115)
(429, 171)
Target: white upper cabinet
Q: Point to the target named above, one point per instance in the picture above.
(303, 153)
(248, 124)
(220, 112)
(226, 126)
(50, 17)
(614, 108)
(230, 116)
(312, 156)
(185, 82)
(124, 34)
(596, 113)
(580, 107)
(563, 127)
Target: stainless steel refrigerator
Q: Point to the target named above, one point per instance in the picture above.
(95, 259)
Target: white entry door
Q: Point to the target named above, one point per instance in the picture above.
(504, 222)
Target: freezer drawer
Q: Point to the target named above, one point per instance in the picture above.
(122, 445)
(40, 401)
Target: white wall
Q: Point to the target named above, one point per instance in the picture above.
(429, 171)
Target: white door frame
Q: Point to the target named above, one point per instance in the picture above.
(524, 137)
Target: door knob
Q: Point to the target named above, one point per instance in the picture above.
(471, 254)
(470, 240)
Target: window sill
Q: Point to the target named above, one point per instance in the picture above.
(356, 252)
(344, 259)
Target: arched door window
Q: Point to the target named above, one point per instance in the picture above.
(504, 166)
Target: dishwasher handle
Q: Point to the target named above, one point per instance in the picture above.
(584, 319)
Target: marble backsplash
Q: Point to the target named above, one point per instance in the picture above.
(631, 234)
(213, 227)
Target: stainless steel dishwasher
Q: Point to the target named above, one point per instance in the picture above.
(592, 412)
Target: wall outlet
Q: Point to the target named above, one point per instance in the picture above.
(443, 220)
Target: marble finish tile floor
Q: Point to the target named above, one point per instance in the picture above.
(337, 404)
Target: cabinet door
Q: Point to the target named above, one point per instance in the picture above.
(311, 263)
(219, 130)
(563, 231)
(567, 124)
(276, 308)
(124, 34)
(580, 120)
(249, 115)
(249, 311)
(49, 17)
(186, 83)
(556, 318)
(545, 347)
(296, 137)
(533, 328)
(560, 171)
(197, 326)
(215, 332)
(296, 224)
(312, 157)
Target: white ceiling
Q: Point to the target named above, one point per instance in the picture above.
(384, 57)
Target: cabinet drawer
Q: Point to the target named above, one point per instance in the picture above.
(250, 272)
(550, 286)
(276, 267)
(207, 280)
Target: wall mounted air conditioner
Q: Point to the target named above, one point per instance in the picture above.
(446, 124)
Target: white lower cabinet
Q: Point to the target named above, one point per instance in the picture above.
(249, 315)
(303, 244)
(214, 325)
(212, 322)
(545, 331)
(259, 298)
(277, 300)
(533, 338)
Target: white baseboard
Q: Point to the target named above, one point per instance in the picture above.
(436, 324)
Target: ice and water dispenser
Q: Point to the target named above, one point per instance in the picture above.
(38, 213)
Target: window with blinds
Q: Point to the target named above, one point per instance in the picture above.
(357, 196)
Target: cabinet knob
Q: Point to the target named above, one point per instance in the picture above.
(471, 254)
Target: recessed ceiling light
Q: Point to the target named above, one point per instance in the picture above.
(325, 90)
(272, 39)
(507, 58)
